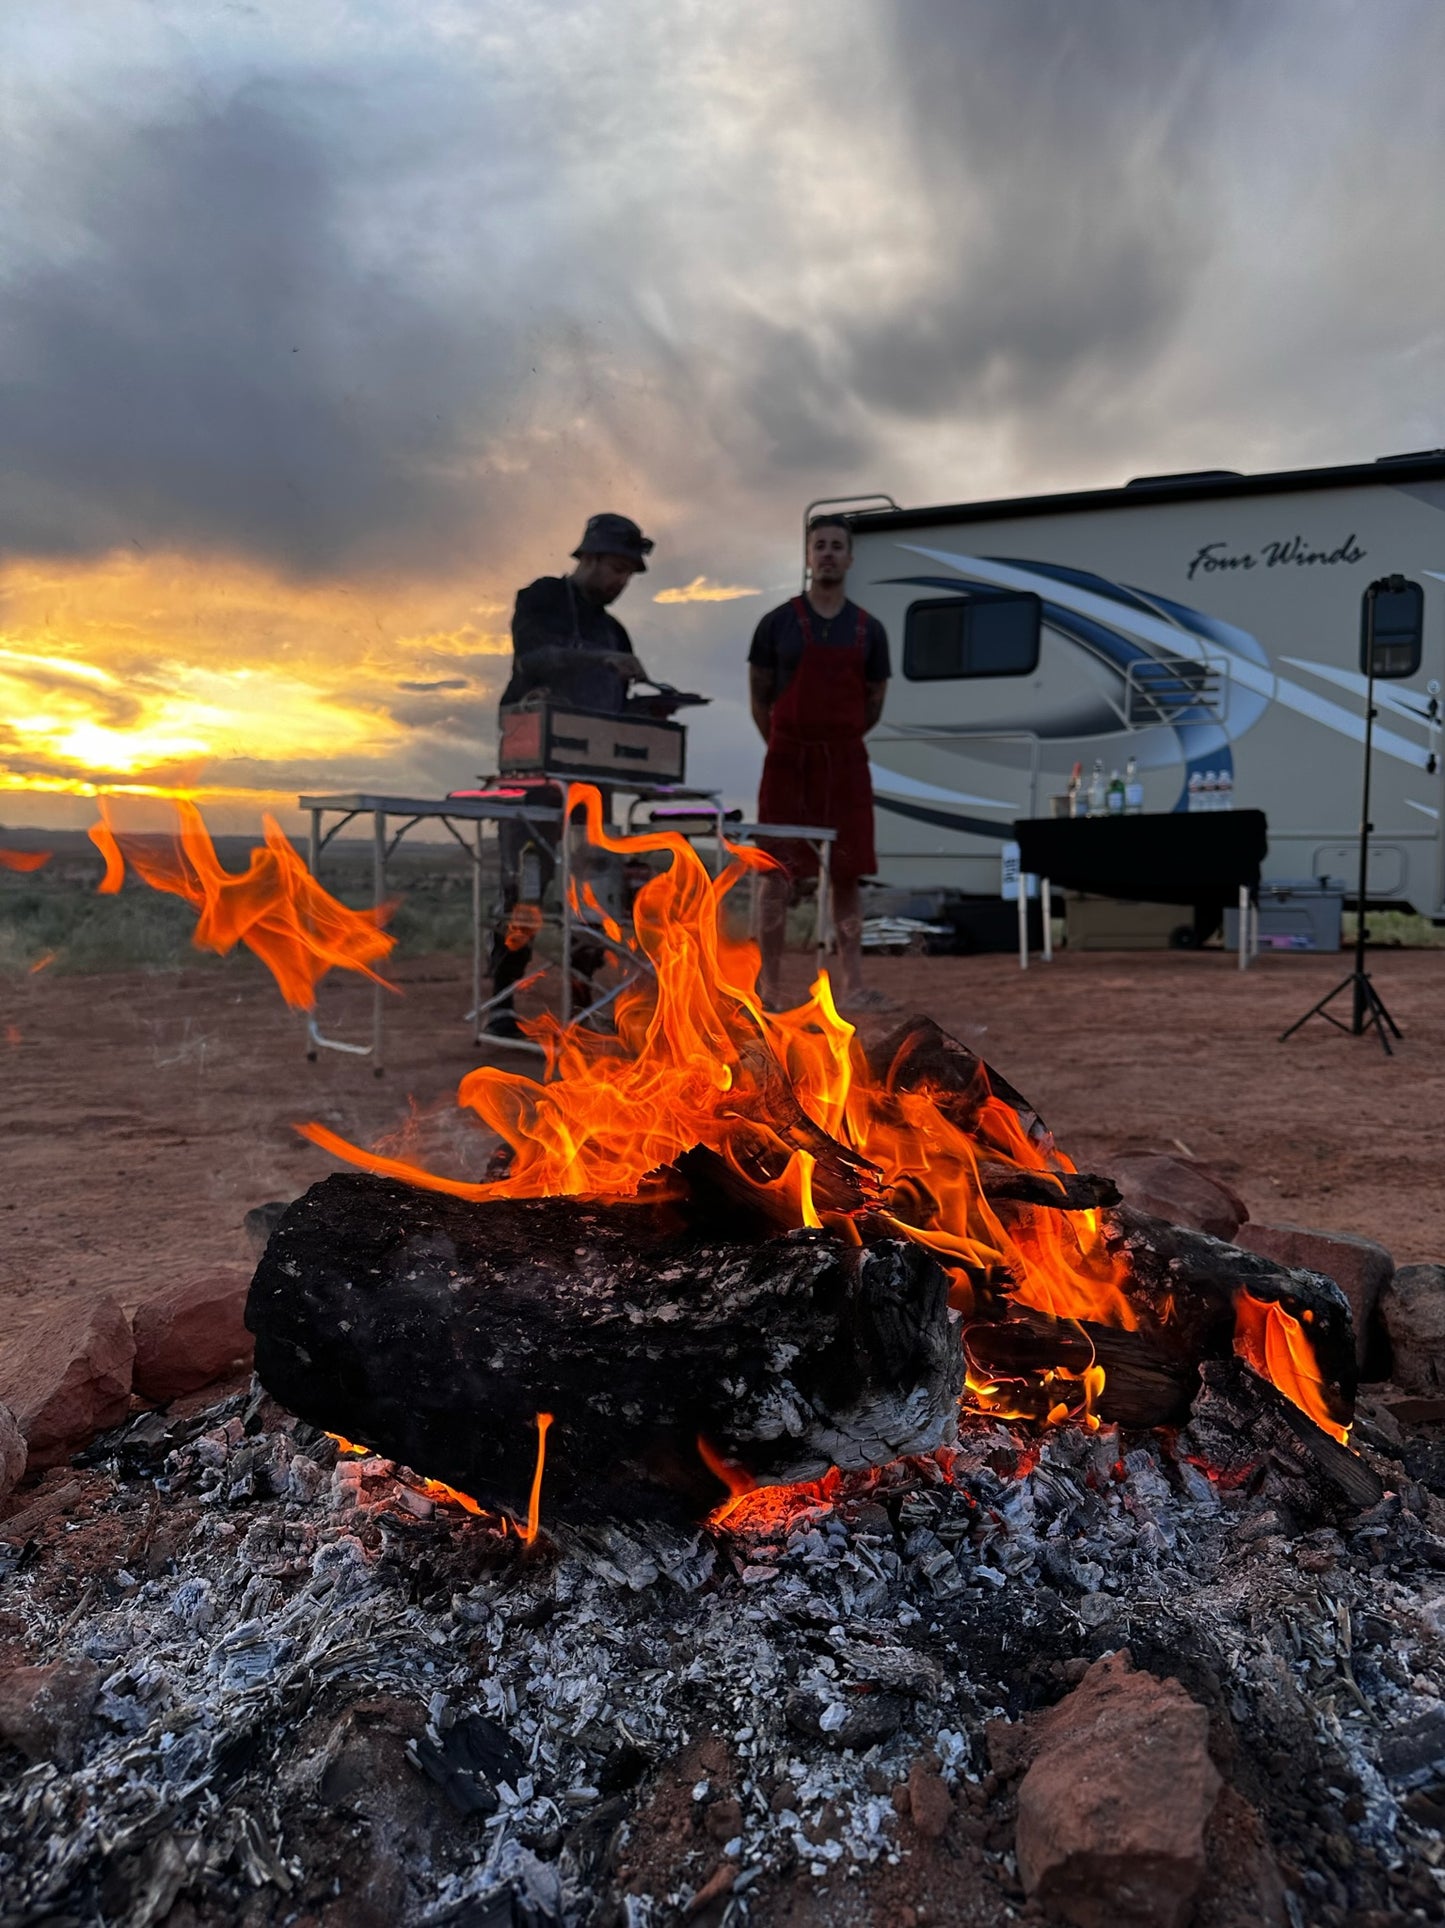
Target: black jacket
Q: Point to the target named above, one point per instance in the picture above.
(558, 636)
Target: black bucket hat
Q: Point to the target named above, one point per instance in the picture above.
(615, 535)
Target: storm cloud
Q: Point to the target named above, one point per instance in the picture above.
(378, 302)
(361, 308)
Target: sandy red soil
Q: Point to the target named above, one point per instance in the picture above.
(144, 1113)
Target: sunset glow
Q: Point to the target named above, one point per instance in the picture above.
(169, 675)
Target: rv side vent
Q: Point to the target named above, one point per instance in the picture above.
(1176, 689)
(1184, 475)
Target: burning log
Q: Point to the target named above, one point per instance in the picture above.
(1145, 1384)
(1196, 1301)
(1240, 1421)
(1202, 1299)
(435, 1331)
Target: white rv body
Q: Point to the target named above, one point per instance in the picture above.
(1196, 624)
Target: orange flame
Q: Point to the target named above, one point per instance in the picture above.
(43, 963)
(696, 1060)
(1273, 1343)
(24, 860)
(274, 907)
(737, 1479)
(534, 1498)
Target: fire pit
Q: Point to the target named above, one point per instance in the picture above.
(730, 1240)
(787, 1491)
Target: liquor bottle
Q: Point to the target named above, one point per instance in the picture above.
(1096, 789)
(1133, 790)
(1116, 795)
(1076, 791)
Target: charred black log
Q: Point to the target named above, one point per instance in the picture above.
(921, 1053)
(1062, 1191)
(1242, 1426)
(434, 1331)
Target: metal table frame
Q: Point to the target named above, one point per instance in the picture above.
(479, 811)
(1248, 923)
(449, 812)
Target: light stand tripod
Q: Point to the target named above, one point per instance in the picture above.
(1391, 647)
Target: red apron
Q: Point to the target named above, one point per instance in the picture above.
(816, 768)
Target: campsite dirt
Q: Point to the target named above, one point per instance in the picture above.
(145, 1112)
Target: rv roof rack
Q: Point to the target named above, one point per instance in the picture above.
(1180, 475)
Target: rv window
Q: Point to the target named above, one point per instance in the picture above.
(994, 634)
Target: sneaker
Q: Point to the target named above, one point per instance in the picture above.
(869, 1000)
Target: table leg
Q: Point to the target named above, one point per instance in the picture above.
(564, 878)
(378, 894)
(1023, 922)
(477, 935)
(1243, 926)
(824, 925)
(313, 862)
(1046, 911)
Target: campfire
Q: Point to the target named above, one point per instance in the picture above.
(730, 1247)
(786, 1484)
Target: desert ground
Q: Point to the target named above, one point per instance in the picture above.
(145, 1111)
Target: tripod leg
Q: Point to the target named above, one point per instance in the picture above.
(1320, 1011)
(1379, 1014)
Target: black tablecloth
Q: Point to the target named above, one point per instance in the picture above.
(1184, 857)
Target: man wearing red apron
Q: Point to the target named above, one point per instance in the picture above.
(817, 672)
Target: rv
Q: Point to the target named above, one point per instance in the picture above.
(1206, 626)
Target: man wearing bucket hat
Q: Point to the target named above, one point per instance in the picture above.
(566, 644)
(565, 640)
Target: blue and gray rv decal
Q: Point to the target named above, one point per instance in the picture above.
(1147, 639)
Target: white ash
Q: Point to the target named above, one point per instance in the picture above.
(826, 1649)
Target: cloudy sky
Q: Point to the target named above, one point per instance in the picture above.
(325, 323)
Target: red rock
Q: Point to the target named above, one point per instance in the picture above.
(44, 1711)
(1243, 1885)
(65, 1373)
(191, 1333)
(1359, 1267)
(1181, 1192)
(929, 1801)
(1412, 1307)
(12, 1452)
(1112, 1812)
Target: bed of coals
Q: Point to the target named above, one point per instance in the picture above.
(1060, 1675)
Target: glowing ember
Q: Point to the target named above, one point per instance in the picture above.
(434, 1489)
(737, 1479)
(274, 907)
(24, 860)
